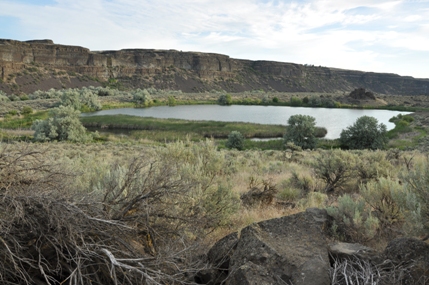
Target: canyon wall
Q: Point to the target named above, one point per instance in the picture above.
(41, 64)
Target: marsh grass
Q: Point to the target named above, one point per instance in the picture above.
(173, 129)
(22, 122)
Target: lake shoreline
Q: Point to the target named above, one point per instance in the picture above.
(334, 120)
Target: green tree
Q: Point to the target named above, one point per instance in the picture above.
(171, 101)
(224, 99)
(295, 101)
(62, 124)
(365, 133)
(301, 131)
(235, 140)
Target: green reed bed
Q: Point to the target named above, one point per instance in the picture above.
(173, 129)
(22, 122)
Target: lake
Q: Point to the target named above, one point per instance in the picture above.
(334, 120)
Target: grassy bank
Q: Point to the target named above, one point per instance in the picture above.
(21, 121)
(173, 129)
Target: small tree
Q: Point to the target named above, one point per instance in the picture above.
(235, 140)
(171, 101)
(295, 101)
(301, 131)
(63, 124)
(365, 133)
(225, 100)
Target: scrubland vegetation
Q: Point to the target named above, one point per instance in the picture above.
(126, 211)
(141, 208)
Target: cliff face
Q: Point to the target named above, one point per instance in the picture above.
(41, 64)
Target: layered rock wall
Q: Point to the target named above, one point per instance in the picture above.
(174, 69)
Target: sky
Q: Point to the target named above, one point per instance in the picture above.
(369, 35)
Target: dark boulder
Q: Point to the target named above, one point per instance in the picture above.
(291, 249)
(408, 261)
(361, 94)
(218, 259)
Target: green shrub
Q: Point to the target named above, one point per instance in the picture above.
(315, 101)
(171, 101)
(416, 183)
(335, 168)
(314, 200)
(353, 220)
(207, 171)
(371, 165)
(301, 131)
(275, 100)
(408, 118)
(289, 194)
(142, 97)
(24, 97)
(63, 124)
(225, 100)
(387, 199)
(303, 182)
(266, 100)
(82, 100)
(295, 101)
(328, 103)
(27, 110)
(320, 132)
(400, 117)
(104, 92)
(365, 133)
(14, 97)
(3, 97)
(235, 140)
(13, 112)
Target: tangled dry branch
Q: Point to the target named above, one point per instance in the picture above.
(359, 271)
(50, 237)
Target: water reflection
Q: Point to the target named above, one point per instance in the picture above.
(334, 120)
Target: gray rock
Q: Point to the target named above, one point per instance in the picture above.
(343, 250)
(218, 258)
(409, 260)
(290, 249)
(253, 274)
(219, 255)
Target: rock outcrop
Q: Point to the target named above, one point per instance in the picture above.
(410, 258)
(295, 250)
(362, 94)
(41, 64)
(287, 250)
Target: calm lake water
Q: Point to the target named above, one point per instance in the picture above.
(334, 120)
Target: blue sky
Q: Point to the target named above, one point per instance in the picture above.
(369, 35)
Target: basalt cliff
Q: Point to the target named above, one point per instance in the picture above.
(41, 64)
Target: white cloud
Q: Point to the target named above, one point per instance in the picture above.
(371, 35)
(412, 18)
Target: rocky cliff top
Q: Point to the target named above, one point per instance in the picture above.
(41, 64)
